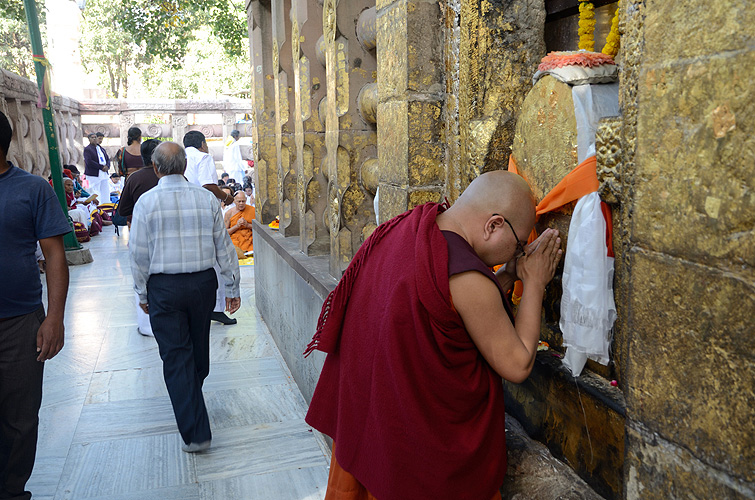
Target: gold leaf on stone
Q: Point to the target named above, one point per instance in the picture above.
(724, 121)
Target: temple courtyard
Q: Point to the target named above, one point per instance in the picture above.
(107, 429)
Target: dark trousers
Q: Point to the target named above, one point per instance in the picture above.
(180, 306)
(20, 399)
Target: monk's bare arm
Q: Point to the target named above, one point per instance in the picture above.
(510, 351)
(227, 221)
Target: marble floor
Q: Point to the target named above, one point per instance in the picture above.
(107, 429)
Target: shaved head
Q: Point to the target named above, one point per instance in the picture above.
(498, 191)
(481, 213)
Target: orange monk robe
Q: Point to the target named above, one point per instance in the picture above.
(242, 237)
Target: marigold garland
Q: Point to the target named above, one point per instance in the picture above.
(611, 47)
(586, 25)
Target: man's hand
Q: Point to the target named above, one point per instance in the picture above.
(50, 338)
(232, 304)
(145, 308)
(541, 258)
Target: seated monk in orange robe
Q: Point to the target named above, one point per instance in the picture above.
(238, 221)
(411, 389)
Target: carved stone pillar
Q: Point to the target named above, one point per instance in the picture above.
(127, 121)
(180, 124)
(410, 105)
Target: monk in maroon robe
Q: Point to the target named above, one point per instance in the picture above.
(419, 332)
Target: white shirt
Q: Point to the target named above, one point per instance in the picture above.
(177, 228)
(200, 168)
(100, 155)
(233, 163)
(118, 186)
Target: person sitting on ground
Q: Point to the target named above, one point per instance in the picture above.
(223, 206)
(411, 389)
(238, 221)
(129, 158)
(249, 191)
(223, 178)
(77, 187)
(116, 187)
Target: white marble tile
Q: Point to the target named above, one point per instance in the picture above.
(239, 346)
(181, 492)
(134, 383)
(240, 451)
(125, 419)
(107, 429)
(246, 373)
(253, 406)
(109, 468)
(307, 483)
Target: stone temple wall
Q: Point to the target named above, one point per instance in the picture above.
(18, 100)
(677, 167)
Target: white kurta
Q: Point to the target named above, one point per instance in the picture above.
(233, 163)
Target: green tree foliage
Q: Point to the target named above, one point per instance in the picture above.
(165, 27)
(15, 46)
(107, 49)
(172, 48)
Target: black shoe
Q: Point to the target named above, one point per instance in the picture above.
(221, 317)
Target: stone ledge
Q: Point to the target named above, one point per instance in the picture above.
(313, 270)
(79, 257)
(533, 472)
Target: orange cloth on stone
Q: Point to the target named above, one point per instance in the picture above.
(343, 485)
(242, 237)
(576, 184)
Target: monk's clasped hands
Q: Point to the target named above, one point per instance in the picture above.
(541, 259)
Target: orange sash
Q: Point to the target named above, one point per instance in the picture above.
(576, 184)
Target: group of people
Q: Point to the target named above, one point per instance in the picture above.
(410, 390)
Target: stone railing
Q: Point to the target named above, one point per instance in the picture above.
(168, 119)
(18, 100)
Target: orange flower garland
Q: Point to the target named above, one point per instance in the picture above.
(586, 26)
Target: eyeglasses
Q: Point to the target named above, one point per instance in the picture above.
(519, 247)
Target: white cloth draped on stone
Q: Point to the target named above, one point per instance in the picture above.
(588, 310)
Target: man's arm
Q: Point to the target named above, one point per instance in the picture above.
(126, 203)
(229, 264)
(138, 251)
(509, 350)
(51, 334)
(219, 194)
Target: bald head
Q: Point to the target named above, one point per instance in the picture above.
(169, 158)
(478, 215)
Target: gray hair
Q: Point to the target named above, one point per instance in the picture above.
(169, 158)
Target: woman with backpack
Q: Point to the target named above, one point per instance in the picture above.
(129, 158)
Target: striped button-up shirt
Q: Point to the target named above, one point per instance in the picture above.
(177, 228)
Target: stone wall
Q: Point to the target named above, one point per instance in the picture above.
(18, 100)
(686, 176)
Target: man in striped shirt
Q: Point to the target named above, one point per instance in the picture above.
(177, 236)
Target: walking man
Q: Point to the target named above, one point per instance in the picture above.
(177, 236)
(96, 166)
(200, 170)
(29, 212)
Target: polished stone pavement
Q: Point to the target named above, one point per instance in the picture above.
(107, 429)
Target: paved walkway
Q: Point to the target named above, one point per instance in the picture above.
(107, 429)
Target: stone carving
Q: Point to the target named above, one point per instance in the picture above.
(153, 130)
(23, 126)
(609, 155)
(127, 120)
(180, 121)
(36, 130)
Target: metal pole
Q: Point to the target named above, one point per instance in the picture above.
(32, 20)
